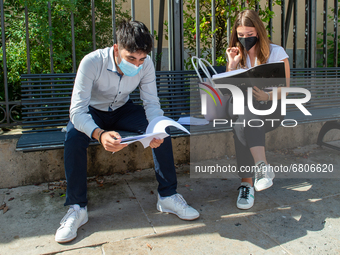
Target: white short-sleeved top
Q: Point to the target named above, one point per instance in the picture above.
(277, 53)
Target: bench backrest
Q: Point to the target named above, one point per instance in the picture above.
(46, 97)
(323, 83)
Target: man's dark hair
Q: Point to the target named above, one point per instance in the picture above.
(134, 36)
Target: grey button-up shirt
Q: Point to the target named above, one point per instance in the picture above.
(98, 84)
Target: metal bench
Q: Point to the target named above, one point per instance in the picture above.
(324, 85)
(46, 100)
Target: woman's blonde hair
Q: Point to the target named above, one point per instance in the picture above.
(250, 18)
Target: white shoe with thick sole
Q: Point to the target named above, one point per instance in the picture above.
(263, 176)
(177, 205)
(74, 219)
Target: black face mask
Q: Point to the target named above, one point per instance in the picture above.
(248, 42)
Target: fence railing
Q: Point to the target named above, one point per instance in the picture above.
(10, 109)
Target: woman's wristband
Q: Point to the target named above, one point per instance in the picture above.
(230, 69)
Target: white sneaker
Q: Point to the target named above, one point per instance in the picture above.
(246, 197)
(176, 204)
(74, 219)
(263, 176)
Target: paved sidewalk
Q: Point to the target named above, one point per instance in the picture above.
(295, 216)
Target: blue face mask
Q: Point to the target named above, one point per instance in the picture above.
(129, 69)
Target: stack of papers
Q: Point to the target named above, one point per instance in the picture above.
(192, 121)
(155, 129)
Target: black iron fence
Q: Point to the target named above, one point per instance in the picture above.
(289, 12)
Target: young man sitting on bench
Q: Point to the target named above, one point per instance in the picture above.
(100, 104)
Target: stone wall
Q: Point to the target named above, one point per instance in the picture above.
(18, 168)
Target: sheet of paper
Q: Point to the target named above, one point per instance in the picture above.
(159, 124)
(192, 121)
(230, 73)
(155, 129)
(131, 139)
(144, 139)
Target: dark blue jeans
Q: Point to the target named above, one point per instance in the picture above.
(129, 117)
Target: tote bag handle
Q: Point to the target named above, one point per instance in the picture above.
(202, 63)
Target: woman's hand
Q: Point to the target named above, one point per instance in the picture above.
(234, 57)
(260, 95)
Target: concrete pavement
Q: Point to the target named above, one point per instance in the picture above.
(295, 216)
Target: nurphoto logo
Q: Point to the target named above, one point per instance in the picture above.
(204, 98)
(238, 102)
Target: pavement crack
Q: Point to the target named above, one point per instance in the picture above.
(76, 248)
(140, 205)
(274, 209)
(308, 200)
